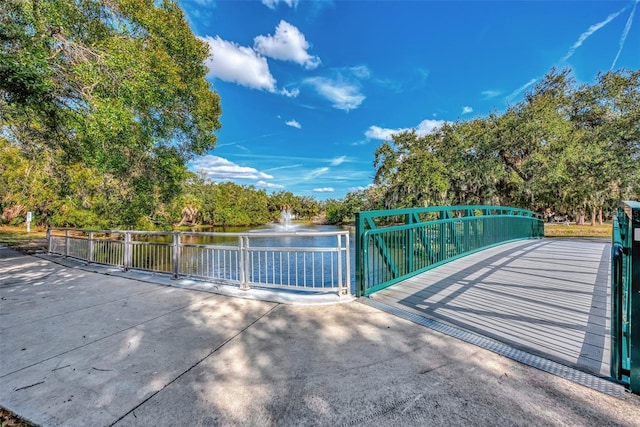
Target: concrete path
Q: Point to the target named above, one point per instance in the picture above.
(79, 348)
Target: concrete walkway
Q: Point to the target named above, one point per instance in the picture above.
(79, 348)
(550, 297)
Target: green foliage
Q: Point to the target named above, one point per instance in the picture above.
(115, 88)
(343, 211)
(223, 204)
(565, 148)
(335, 212)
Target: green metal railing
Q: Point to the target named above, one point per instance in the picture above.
(625, 296)
(428, 237)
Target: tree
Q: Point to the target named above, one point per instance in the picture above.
(607, 118)
(344, 210)
(563, 148)
(118, 87)
(411, 170)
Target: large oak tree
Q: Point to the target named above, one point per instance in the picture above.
(565, 148)
(102, 104)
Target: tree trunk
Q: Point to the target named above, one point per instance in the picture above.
(580, 219)
(600, 219)
(593, 216)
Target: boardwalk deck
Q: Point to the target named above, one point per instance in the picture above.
(550, 297)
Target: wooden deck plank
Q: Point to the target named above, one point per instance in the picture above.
(549, 296)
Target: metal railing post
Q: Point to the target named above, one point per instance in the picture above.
(175, 254)
(90, 250)
(442, 241)
(127, 251)
(466, 235)
(409, 242)
(245, 263)
(617, 285)
(360, 253)
(240, 260)
(347, 263)
(339, 258)
(66, 243)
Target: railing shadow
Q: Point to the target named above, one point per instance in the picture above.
(524, 295)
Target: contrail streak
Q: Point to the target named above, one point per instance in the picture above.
(592, 29)
(625, 32)
(520, 89)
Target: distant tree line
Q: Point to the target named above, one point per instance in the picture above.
(224, 204)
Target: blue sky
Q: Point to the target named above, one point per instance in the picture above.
(310, 89)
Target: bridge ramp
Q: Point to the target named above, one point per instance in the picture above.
(550, 297)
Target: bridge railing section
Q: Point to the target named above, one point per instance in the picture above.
(394, 245)
(303, 261)
(625, 296)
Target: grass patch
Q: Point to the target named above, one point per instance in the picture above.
(574, 230)
(18, 238)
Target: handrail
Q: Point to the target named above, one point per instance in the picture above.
(387, 255)
(625, 296)
(249, 259)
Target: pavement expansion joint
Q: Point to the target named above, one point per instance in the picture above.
(588, 380)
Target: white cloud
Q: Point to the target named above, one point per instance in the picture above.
(376, 132)
(220, 169)
(428, 126)
(490, 93)
(291, 94)
(264, 184)
(287, 44)
(338, 160)
(592, 29)
(238, 64)
(343, 87)
(294, 124)
(272, 4)
(360, 71)
(324, 190)
(424, 128)
(467, 110)
(342, 95)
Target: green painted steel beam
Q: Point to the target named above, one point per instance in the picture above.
(632, 210)
(625, 296)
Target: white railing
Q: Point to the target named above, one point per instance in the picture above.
(302, 260)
